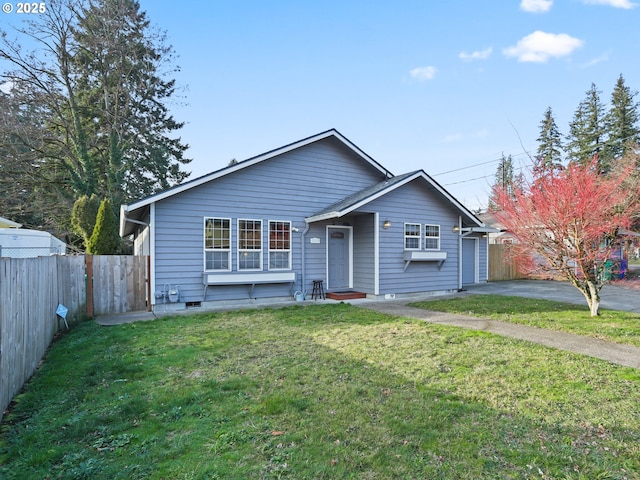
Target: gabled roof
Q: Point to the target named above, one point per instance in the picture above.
(333, 133)
(367, 195)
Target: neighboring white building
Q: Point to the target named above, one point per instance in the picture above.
(19, 242)
(5, 223)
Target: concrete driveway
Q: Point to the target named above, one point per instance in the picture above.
(613, 297)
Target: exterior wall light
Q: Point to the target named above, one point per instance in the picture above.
(456, 228)
(386, 224)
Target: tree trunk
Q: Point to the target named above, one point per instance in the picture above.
(592, 293)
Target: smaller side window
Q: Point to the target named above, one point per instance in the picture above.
(412, 236)
(432, 237)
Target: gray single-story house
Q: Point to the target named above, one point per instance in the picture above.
(319, 209)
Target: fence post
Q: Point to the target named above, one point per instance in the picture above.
(147, 279)
(88, 276)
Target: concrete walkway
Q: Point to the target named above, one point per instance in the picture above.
(625, 355)
(613, 297)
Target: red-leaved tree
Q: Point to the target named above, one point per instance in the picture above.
(567, 222)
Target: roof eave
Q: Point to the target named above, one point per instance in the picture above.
(252, 161)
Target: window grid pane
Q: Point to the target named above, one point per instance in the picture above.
(250, 234)
(217, 261)
(279, 236)
(249, 261)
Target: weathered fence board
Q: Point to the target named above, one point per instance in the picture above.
(32, 288)
(119, 284)
(501, 266)
(29, 295)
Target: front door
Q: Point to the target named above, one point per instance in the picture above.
(338, 258)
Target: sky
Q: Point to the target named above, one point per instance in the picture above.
(443, 86)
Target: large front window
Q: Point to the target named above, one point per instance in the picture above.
(249, 244)
(279, 245)
(217, 244)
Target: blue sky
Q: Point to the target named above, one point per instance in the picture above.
(417, 84)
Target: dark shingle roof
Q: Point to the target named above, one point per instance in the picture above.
(365, 195)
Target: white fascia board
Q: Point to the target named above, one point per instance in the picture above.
(324, 216)
(252, 161)
(482, 229)
(361, 203)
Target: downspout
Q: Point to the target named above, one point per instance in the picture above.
(459, 252)
(376, 254)
(303, 259)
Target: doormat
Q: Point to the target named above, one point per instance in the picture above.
(345, 295)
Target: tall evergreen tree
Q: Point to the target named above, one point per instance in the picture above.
(622, 120)
(119, 61)
(549, 142)
(97, 79)
(505, 179)
(587, 137)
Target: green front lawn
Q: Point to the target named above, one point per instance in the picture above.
(318, 392)
(611, 325)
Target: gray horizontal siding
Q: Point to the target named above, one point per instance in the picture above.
(414, 203)
(290, 187)
(364, 254)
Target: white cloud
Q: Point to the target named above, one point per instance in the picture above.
(423, 74)
(452, 138)
(540, 46)
(536, 6)
(595, 61)
(626, 4)
(477, 55)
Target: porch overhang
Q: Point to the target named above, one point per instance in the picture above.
(469, 230)
(367, 195)
(324, 216)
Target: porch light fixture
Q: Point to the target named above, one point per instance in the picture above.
(386, 224)
(456, 228)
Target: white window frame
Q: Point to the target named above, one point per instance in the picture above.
(279, 250)
(242, 251)
(418, 236)
(431, 237)
(217, 249)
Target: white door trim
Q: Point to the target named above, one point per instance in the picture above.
(328, 233)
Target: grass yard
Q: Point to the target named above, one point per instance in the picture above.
(612, 325)
(318, 392)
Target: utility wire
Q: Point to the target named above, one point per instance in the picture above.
(479, 164)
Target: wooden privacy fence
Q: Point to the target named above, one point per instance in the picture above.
(119, 284)
(501, 266)
(32, 288)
